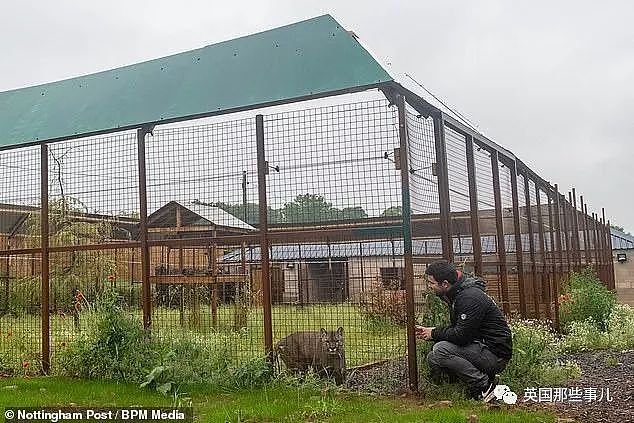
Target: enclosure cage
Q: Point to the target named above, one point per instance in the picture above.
(238, 229)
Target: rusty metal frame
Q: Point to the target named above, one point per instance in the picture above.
(546, 275)
(264, 241)
(566, 230)
(407, 244)
(143, 229)
(597, 257)
(473, 207)
(531, 243)
(612, 278)
(589, 230)
(575, 221)
(443, 187)
(519, 256)
(565, 224)
(607, 255)
(559, 259)
(584, 229)
(499, 224)
(45, 251)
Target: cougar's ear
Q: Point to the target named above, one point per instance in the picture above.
(323, 333)
(340, 331)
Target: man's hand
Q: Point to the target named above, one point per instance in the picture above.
(425, 333)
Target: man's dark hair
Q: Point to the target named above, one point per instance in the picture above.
(442, 271)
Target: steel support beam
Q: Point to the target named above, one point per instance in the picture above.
(143, 229)
(264, 241)
(519, 254)
(443, 187)
(44, 244)
(575, 225)
(545, 273)
(407, 244)
(560, 258)
(499, 224)
(473, 202)
(531, 243)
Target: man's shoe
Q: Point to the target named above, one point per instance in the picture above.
(488, 394)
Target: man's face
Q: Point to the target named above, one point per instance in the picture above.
(439, 288)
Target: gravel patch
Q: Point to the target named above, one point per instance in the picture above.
(601, 370)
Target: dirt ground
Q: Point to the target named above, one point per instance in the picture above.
(599, 369)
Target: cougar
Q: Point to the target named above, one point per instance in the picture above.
(323, 351)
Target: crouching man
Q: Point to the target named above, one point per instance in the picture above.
(477, 345)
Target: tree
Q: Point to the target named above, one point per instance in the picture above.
(252, 212)
(87, 271)
(238, 210)
(392, 211)
(353, 213)
(620, 228)
(307, 208)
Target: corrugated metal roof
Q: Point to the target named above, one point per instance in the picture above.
(195, 215)
(621, 240)
(313, 58)
(371, 249)
(216, 215)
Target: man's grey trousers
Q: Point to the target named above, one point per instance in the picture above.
(473, 364)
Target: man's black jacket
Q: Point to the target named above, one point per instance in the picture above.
(475, 317)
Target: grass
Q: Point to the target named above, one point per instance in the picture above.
(366, 341)
(277, 402)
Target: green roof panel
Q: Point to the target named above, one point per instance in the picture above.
(313, 58)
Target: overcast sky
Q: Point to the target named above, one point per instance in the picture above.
(551, 81)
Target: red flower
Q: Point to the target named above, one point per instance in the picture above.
(26, 364)
(112, 278)
(563, 298)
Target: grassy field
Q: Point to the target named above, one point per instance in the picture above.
(275, 403)
(366, 340)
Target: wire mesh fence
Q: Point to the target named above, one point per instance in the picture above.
(334, 245)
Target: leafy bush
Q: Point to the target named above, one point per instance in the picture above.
(535, 357)
(621, 327)
(112, 344)
(434, 311)
(386, 305)
(586, 335)
(586, 298)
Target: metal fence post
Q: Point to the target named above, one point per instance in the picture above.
(519, 256)
(611, 278)
(531, 243)
(407, 245)
(575, 224)
(584, 228)
(499, 224)
(473, 203)
(443, 188)
(595, 237)
(560, 259)
(607, 254)
(588, 234)
(143, 229)
(566, 232)
(44, 234)
(546, 275)
(264, 237)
